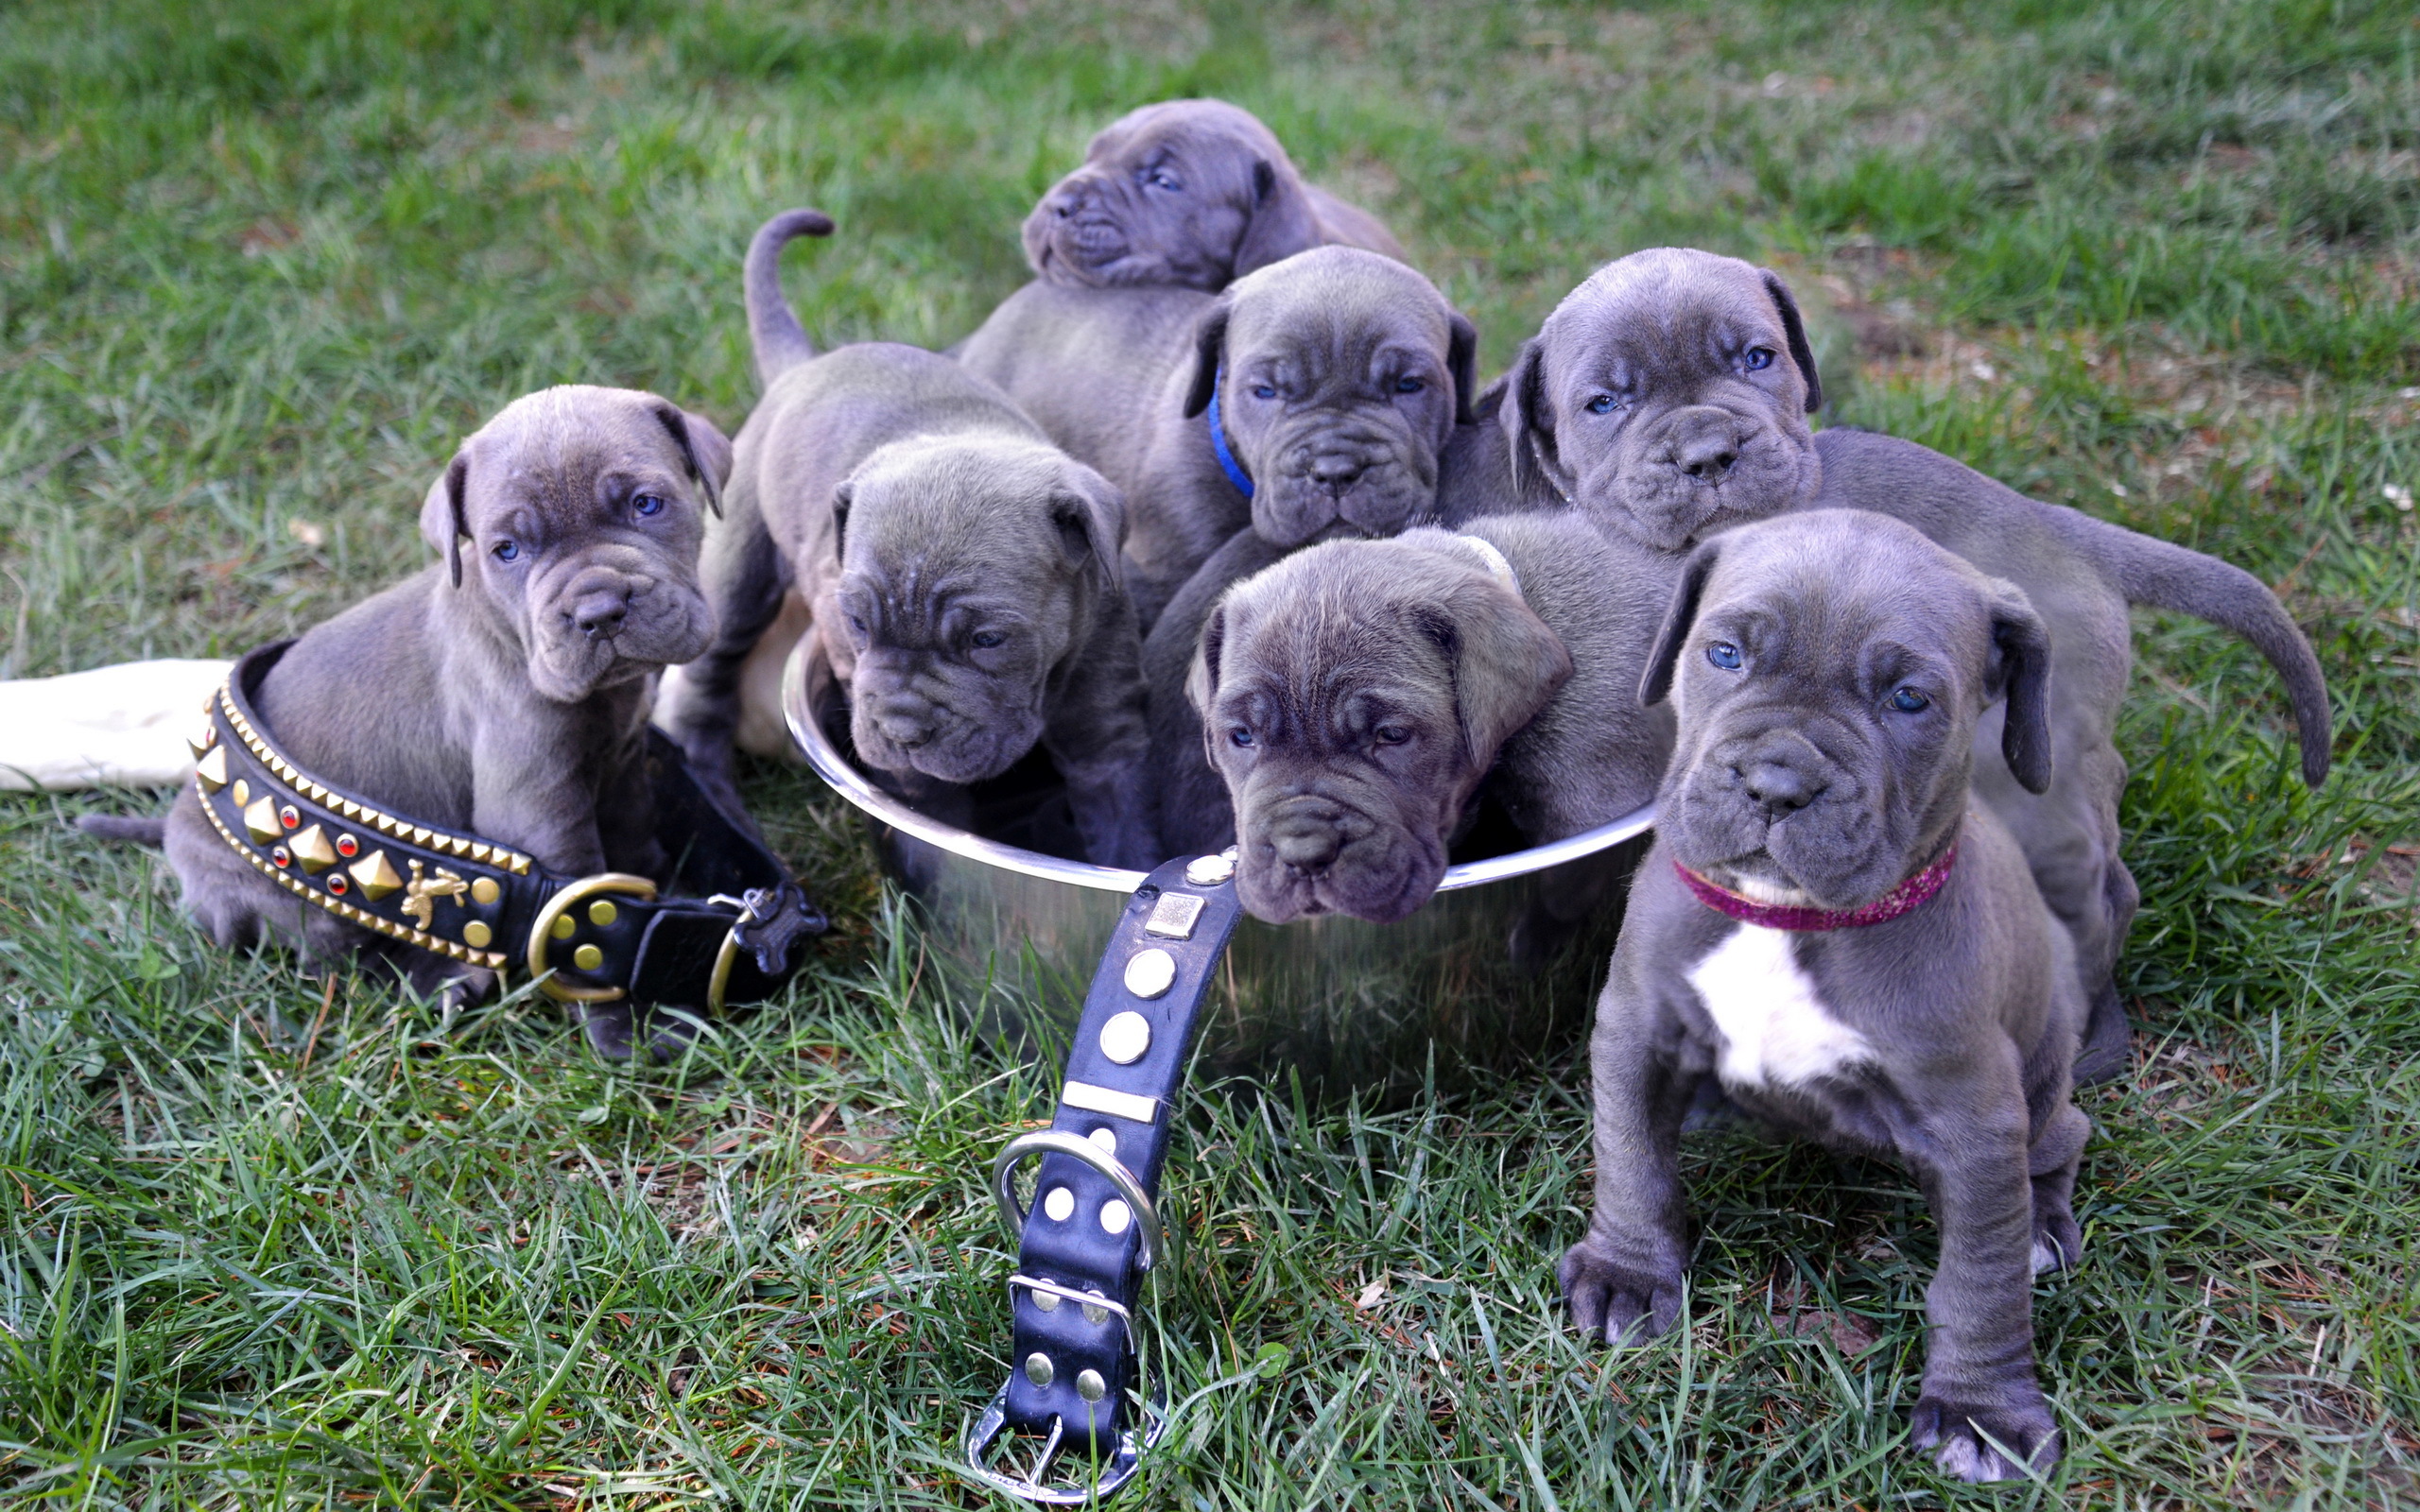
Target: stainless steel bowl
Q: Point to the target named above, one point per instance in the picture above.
(1497, 968)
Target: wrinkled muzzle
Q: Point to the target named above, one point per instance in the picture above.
(1378, 485)
(1077, 232)
(606, 622)
(907, 712)
(1696, 470)
(1308, 853)
(1767, 800)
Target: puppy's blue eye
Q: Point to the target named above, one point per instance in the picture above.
(1393, 734)
(1908, 701)
(1602, 404)
(507, 550)
(1724, 654)
(1162, 178)
(1264, 391)
(1410, 385)
(1239, 736)
(1760, 358)
(647, 503)
(985, 640)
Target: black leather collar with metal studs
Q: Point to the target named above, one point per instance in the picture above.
(604, 939)
(1094, 1233)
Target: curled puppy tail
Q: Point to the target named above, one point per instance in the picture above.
(2169, 577)
(781, 343)
(125, 828)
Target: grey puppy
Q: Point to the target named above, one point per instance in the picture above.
(1334, 379)
(1190, 194)
(1831, 671)
(961, 571)
(1355, 697)
(504, 691)
(1668, 397)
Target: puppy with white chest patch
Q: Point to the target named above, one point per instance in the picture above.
(961, 574)
(1832, 928)
(1667, 398)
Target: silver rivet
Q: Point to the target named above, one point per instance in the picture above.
(1094, 1315)
(1048, 1301)
(1127, 1035)
(1115, 1215)
(1060, 1203)
(1090, 1386)
(1208, 872)
(1037, 1369)
(1150, 972)
(1106, 1138)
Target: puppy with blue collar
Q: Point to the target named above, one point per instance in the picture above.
(1835, 931)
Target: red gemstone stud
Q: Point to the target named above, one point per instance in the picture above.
(282, 856)
(338, 886)
(288, 817)
(347, 847)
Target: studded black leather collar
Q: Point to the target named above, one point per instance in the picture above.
(604, 939)
(1094, 1230)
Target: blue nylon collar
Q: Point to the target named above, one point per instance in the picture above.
(1227, 463)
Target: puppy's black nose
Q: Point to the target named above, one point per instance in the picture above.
(1706, 455)
(903, 728)
(599, 612)
(1782, 789)
(1307, 840)
(1336, 472)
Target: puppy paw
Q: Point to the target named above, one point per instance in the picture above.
(2058, 1243)
(1973, 1443)
(1614, 1302)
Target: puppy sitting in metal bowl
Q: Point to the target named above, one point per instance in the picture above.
(1354, 699)
(961, 574)
(1832, 927)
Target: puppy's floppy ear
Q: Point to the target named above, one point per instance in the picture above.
(1678, 614)
(843, 495)
(1279, 221)
(1462, 362)
(1201, 677)
(2020, 672)
(442, 524)
(1209, 350)
(704, 449)
(1528, 422)
(1506, 662)
(1800, 352)
(1089, 513)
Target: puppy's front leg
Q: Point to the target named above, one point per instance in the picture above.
(1622, 1281)
(1099, 740)
(1982, 1412)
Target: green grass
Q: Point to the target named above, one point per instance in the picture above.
(271, 1246)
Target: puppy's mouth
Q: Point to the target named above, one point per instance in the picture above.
(1382, 496)
(1835, 853)
(935, 742)
(1673, 502)
(1306, 858)
(572, 660)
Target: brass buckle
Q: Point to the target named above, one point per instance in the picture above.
(558, 907)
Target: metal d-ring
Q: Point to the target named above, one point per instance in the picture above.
(561, 903)
(1153, 1237)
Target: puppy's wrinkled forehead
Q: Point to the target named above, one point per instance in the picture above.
(553, 449)
(1827, 585)
(1209, 129)
(1666, 309)
(1338, 298)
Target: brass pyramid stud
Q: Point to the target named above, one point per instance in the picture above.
(260, 822)
(212, 768)
(376, 875)
(311, 848)
(199, 744)
(421, 834)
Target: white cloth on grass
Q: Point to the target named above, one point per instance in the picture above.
(121, 725)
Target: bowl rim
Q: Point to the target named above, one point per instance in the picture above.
(849, 783)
